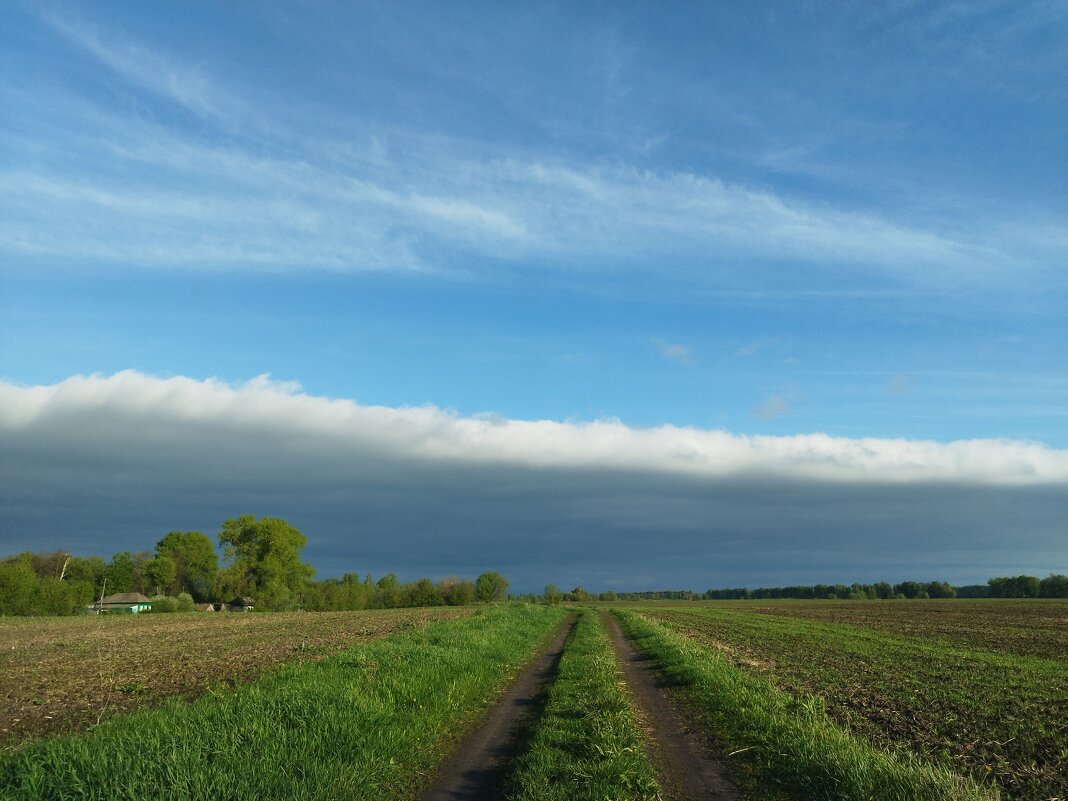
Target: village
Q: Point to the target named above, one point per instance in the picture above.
(135, 603)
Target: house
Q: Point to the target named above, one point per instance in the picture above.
(205, 607)
(132, 602)
(241, 605)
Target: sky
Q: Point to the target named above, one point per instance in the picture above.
(587, 293)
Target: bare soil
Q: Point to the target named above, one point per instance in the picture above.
(685, 766)
(63, 675)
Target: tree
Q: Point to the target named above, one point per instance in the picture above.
(940, 589)
(424, 593)
(552, 594)
(263, 559)
(491, 586)
(161, 572)
(18, 583)
(462, 593)
(195, 559)
(388, 591)
(120, 573)
(90, 569)
(1053, 586)
(1014, 587)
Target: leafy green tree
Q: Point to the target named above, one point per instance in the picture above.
(462, 593)
(552, 594)
(1053, 586)
(90, 569)
(940, 589)
(388, 591)
(909, 589)
(883, 590)
(491, 586)
(161, 572)
(184, 602)
(18, 583)
(263, 559)
(424, 592)
(55, 597)
(1014, 587)
(120, 573)
(195, 559)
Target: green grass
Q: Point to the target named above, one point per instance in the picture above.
(367, 723)
(789, 741)
(586, 745)
(998, 717)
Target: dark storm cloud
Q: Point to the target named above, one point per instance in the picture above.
(101, 464)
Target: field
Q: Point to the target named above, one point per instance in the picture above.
(1024, 628)
(954, 689)
(880, 701)
(62, 675)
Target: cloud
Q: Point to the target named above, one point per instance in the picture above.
(674, 351)
(278, 193)
(99, 463)
(900, 384)
(148, 69)
(775, 406)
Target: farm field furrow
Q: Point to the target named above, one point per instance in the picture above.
(1025, 628)
(994, 716)
(62, 675)
(370, 722)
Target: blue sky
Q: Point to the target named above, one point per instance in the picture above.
(785, 221)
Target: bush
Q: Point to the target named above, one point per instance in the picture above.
(184, 602)
(164, 603)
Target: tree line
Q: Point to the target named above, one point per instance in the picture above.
(1053, 586)
(261, 560)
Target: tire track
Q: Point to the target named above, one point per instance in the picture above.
(473, 772)
(685, 769)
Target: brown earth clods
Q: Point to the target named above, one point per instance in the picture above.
(62, 675)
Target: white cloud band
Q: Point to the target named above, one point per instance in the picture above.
(143, 406)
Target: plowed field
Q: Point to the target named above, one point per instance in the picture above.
(62, 675)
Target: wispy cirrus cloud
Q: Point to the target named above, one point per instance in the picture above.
(171, 78)
(285, 196)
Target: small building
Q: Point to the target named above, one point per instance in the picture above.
(245, 604)
(132, 602)
(205, 607)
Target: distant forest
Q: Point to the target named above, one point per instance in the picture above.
(261, 560)
(1053, 586)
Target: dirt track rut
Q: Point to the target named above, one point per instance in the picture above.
(474, 770)
(685, 769)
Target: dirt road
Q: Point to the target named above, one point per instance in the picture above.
(685, 769)
(474, 770)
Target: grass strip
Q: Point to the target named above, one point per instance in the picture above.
(586, 745)
(367, 723)
(788, 740)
